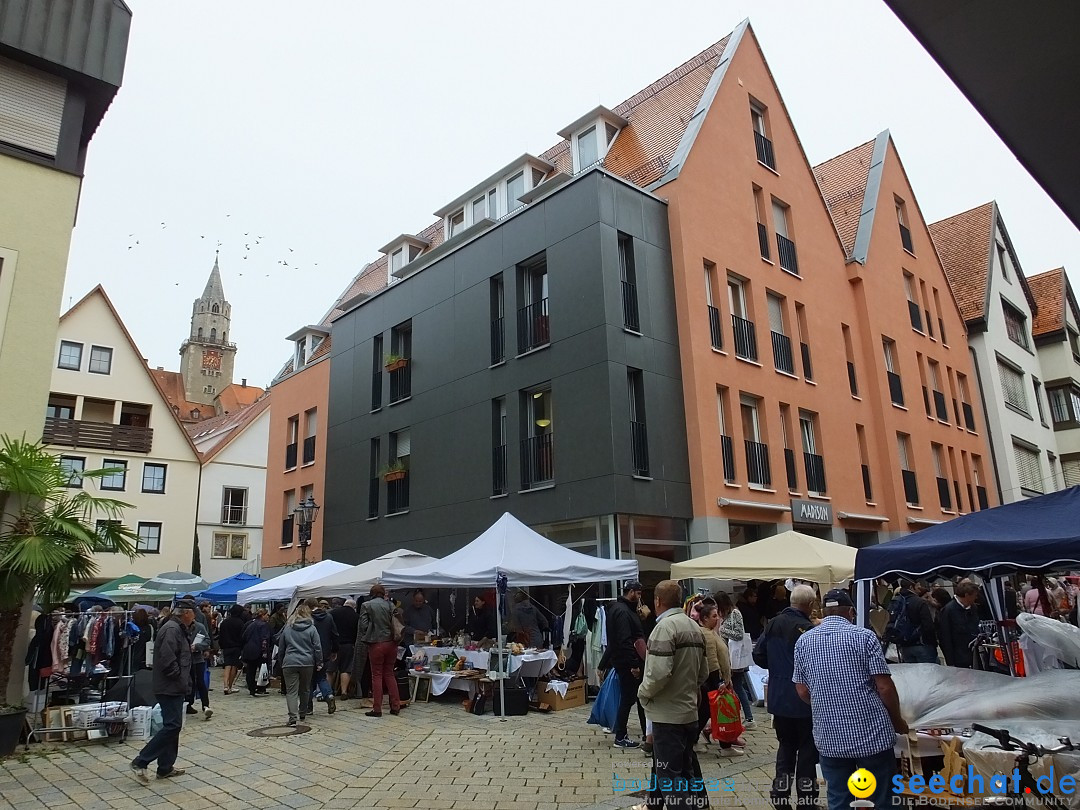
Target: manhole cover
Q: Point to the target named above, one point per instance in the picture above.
(279, 731)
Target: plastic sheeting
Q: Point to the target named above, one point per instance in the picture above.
(937, 696)
(1063, 639)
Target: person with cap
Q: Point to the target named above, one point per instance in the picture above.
(201, 643)
(840, 670)
(345, 619)
(626, 655)
(171, 682)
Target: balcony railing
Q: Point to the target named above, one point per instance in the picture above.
(763, 240)
(944, 498)
(941, 407)
(373, 497)
(639, 447)
(309, 450)
(537, 461)
(781, 352)
(981, 493)
(233, 515)
(852, 382)
(757, 463)
(498, 470)
(815, 473)
(914, 315)
(745, 338)
(911, 487)
(868, 491)
(498, 340)
(629, 306)
(807, 366)
(905, 239)
(789, 467)
(376, 390)
(401, 383)
(287, 531)
(209, 341)
(785, 248)
(290, 456)
(715, 332)
(727, 451)
(533, 329)
(896, 388)
(100, 435)
(397, 495)
(764, 149)
(969, 416)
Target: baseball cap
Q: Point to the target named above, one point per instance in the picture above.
(837, 597)
(184, 604)
(631, 585)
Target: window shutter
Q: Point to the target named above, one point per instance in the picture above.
(31, 107)
(404, 441)
(1027, 468)
(776, 315)
(1012, 386)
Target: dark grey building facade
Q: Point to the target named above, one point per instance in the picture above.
(532, 369)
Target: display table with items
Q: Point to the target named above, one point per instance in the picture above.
(433, 670)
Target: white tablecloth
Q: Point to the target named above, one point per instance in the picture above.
(441, 681)
(532, 664)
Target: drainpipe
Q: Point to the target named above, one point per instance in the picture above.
(986, 424)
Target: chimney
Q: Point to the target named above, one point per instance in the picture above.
(161, 368)
(243, 382)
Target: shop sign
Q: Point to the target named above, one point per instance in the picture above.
(811, 512)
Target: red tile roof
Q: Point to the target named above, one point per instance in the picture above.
(227, 426)
(843, 185)
(172, 386)
(1049, 291)
(963, 243)
(236, 396)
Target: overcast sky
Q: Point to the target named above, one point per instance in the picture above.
(321, 130)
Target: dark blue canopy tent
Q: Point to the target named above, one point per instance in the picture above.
(1030, 535)
(223, 592)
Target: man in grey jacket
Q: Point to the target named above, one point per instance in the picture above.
(172, 680)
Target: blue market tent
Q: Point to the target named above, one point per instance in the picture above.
(1031, 535)
(223, 591)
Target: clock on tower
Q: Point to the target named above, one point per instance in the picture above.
(211, 359)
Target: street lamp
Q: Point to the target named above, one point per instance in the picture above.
(306, 512)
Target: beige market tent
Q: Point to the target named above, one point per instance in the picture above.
(788, 554)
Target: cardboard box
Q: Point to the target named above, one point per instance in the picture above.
(575, 696)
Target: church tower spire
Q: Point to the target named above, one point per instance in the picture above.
(207, 357)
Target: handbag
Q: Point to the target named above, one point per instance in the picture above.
(263, 676)
(725, 715)
(397, 629)
(741, 652)
(606, 706)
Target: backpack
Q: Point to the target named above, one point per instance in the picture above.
(901, 630)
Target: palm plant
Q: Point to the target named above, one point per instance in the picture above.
(48, 534)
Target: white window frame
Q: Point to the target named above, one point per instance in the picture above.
(591, 131)
(737, 297)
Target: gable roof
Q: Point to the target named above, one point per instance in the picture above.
(100, 291)
(172, 384)
(964, 243)
(1053, 292)
(227, 427)
(842, 181)
(236, 396)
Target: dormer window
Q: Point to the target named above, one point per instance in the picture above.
(456, 222)
(515, 187)
(592, 135)
(496, 197)
(399, 252)
(307, 340)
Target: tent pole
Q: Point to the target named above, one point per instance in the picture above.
(499, 652)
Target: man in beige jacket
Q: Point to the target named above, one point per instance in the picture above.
(675, 668)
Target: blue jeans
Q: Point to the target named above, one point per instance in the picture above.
(836, 771)
(320, 682)
(165, 745)
(742, 692)
(918, 654)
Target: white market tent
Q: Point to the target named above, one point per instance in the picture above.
(359, 578)
(788, 554)
(281, 589)
(511, 548)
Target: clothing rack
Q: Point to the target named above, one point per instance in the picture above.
(55, 676)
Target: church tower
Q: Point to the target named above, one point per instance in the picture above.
(207, 357)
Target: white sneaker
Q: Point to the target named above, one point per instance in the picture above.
(731, 752)
(207, 714)
(749, 724)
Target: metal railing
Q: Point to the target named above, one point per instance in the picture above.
(376, 390)
(287, 531)
(639, 447)
(764, 149)
(397, 495)
(537, 461)
(905, 238)
(852, 381)
(941, 406)
(373, 497)
(715, 333)
(401, 383)
(781, 352)
(498, 470)
(498, 340)
(290, 456)
(815, 473)
(533, 329)
(727, 451)
(807, 366)
(911, 487)
(914, 315)
(868, 491)
(745, 338)
(100, 435)
(309, 450)
(233, 515)
(896, 388)
(789, 467)
(785, 248)
(763, 240)
(757, 463)
(629, 306)
(944, 498)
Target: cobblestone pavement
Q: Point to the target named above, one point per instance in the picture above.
(433, 755)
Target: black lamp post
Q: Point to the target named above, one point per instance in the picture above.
(306, 512)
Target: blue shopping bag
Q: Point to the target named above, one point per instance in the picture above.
(606, 706)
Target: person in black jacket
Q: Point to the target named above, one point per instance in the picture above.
(231, 639)
(796, 754)
(481, 623)
(257, 647)
(328, 638)
(923, 650)
(626, 655)
(958, 624)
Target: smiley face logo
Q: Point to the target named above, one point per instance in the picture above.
(862, 783)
